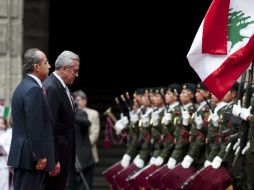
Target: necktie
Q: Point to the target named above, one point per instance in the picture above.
(44, 91)
(69, 96)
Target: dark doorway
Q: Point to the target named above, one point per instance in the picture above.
(125, 46)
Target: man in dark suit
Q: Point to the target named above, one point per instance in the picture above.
(84, 157)
(62, 110)
(32, 148)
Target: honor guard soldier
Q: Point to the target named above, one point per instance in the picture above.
(156, 128)
(144, 144)
(132, 144)
(133, 129)
(198, 129)
(181, 133)
(213, 137)
(138, 180)
(182, 136)
(170, 122)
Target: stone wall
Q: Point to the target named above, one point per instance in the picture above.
(11, 14)
(23, 24)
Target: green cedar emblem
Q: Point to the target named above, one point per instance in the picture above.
(237, 21)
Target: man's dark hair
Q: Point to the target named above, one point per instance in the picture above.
(31, 58)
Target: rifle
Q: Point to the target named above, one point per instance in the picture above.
(245, 125)
(118, 105)
(125, 102)
(236, 121)
(129, 99)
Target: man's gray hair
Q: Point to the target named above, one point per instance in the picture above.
(31, 57)
(81, 94)
(65, 58)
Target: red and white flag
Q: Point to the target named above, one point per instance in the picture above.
(223, 47)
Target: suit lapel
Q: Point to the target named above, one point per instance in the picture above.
(63, 93)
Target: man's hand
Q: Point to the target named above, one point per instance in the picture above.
(41, 164)
(56, 170)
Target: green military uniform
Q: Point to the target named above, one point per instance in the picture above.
(198, 135)
(250, 154)
(213, 135)
(156, 131)
(168, 130)
(226, 129)
(144, 139)
(182, 135)
(133, 134)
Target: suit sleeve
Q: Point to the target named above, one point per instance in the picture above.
(54, 107)
(81, 119)
(94, 130)
(35, 122)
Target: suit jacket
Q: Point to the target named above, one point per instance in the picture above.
(32, 135)
(83, 145)
(63, 122)
(94, 130)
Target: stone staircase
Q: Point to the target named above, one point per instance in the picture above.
(108, 156)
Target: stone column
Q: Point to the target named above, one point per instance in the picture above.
(11, 38)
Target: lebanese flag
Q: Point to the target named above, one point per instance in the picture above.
(223, 47)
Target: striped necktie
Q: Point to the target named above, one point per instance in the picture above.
(69, 96)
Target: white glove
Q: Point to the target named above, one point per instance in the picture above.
(152, 160)
(228, 147)
(237, 109)
(216, 163)
(125, 160)
(207, 163)
(186, 116)
(159, 160)
(145, 121)
(246, 148)
(171, 163)
(187, 161)
(125, 120)
(167, 118)
(137, 157)
(245, 113)
(237, 150)
(198, 121)
(139, 163)
(236, 144)
(215, 119)
(133, 117)
(155, 118)
(119, 126)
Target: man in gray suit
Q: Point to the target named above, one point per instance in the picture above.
(32, 148)
(62, 110)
